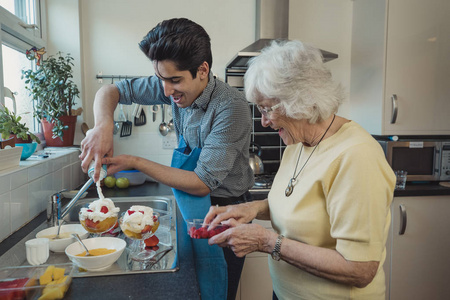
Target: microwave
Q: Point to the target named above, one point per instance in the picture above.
(423, 160)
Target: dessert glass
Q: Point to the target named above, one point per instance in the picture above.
(138, 252)
(100, 227)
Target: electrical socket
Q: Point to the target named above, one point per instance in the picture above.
(169, 141)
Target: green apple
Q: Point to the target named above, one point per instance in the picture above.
(110, 181)
(122, 183)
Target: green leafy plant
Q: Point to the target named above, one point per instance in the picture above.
(10, 124)
(53, 90)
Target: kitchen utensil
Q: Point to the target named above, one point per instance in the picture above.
(140, 118)
(126, 128)
(155, 109)
(116, 127)
(77, 237)
(255, 160)
(84, 128)
(163, 128)
(122, 117)
(171, 125)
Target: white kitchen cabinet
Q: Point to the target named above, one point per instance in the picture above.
(255, 280)
(417, 263)
(400, 49)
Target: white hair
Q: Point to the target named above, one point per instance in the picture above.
(294, 74)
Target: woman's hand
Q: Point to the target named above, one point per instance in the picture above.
(243, 239)
(241, 213)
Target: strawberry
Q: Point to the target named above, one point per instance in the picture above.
(130, 212)
(155, 219)
(90, 210)
(151, 241)
(104, 210)
(141, 211)
(146, 229)
(90, 224)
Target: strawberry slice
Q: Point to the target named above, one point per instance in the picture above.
(130, 212)
(155, 219)
(141, 211)
(90, 210)
(151, 241)
(104, 210)
(146, 229)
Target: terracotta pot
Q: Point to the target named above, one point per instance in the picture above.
(21, 141)
(9, 142)
(68, 135)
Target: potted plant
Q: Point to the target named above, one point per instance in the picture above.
(15, 133)
(51, 87)
(11, 127)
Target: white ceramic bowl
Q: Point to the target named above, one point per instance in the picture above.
(96, 263)
(60, 245)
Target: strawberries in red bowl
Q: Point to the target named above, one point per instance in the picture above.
(197, 230)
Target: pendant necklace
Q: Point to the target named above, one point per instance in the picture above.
(292, 181)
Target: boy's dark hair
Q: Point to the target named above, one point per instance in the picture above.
(180, 40)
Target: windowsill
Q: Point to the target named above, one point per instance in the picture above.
(41, 157)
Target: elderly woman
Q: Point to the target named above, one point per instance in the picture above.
(329, 202)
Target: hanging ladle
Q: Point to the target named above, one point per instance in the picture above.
(163, 128)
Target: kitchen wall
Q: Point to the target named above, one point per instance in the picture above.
(104, 34)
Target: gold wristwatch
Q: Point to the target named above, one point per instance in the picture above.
(276, 252)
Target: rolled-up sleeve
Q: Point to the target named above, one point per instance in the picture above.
(144, 90)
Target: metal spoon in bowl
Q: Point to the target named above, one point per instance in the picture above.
(77, 237)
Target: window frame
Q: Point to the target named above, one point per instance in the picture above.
(15, 35)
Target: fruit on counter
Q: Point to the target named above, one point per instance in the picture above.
(55, 289)
(204, 233)
(56, 283)
(110, 181)
(122, 182)
(6, 287)
(151, 241)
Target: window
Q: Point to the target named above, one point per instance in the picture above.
(20, 30)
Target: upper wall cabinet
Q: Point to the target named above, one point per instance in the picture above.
(400, 69)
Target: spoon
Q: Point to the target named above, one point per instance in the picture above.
(163, 128)
(171, 125)
(59, 229)
(77, 237)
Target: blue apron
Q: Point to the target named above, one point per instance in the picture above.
(210, 264)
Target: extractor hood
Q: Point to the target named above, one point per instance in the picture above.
(272, 23)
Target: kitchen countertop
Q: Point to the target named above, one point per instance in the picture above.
(181, 284)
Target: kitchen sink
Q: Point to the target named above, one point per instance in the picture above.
(164, 260)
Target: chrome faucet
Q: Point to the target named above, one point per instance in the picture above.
(54, 211)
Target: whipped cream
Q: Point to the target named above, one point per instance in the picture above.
(135, 222)
(95, 214)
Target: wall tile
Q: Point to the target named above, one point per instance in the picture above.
(58, 180)
(5, 184)
(34, 198)
(5, 215)
(19, 178)
(19, 207)
(67, 177)
(36, 171)
(47, 190)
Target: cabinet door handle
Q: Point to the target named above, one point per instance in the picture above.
(403, 219)
(394, 109)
